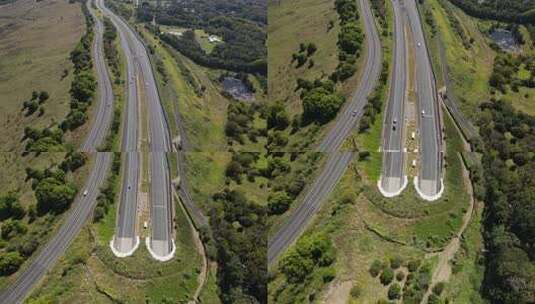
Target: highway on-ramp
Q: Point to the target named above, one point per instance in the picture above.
(393, 179)
(337, 162)
(429, 181)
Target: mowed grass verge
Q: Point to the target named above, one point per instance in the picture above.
(35, 42)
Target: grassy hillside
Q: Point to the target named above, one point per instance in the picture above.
(294, 24)
(469, 67)
(35, 41)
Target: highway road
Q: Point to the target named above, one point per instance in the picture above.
(429, 181)
(101, 122)
(337, 162)
(393, 179)
(160, 243)
(126, 238)
(80, 211)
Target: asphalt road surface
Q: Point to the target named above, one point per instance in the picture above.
(102, 120)
(337, 162)
(126, 239)
(142, 79)
(430, 133)
(393, 174)
(80, 211)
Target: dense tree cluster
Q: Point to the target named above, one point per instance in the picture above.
(110, 51)
(10, 207)
(240, 23)
(350, 39)
(304, 53)
(509, 215)
(108, 193)
(242, 270)
(33, 104)
(240, 118)
(375, 100)
(517, 11)
(321, 102)
(505, 72)
(84, 85)
(310, 252)
(122, 9)
(45, 140)
(53, 193)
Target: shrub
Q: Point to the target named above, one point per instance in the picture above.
(355, 292)
(438, 288)
(387, 276)
(396, 262)
(376, 268)
(311, 48)
(279, 202)
(10, 262)
(413, 265)
(400, 276)
(328, 274)
(394, 292)
(12, 228)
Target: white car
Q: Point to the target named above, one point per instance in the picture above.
(85, 193)
(419, 44)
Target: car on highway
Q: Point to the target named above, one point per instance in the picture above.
(419, 44)
(354, 113)
(85, 193)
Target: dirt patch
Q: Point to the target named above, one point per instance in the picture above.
(338, 292)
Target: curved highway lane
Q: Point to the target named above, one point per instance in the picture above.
(102, 120)
(337, 162)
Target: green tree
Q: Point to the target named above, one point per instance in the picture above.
(12, 228)
(43, 96)
(279, 202)
(54, 196)
(350, 38)
(10, 207)
(277, 117)
(83, 87)
(321, 106)
(394, 292)
(387, 276)
(10, 262)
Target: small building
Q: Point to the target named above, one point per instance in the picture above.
(214, 39)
